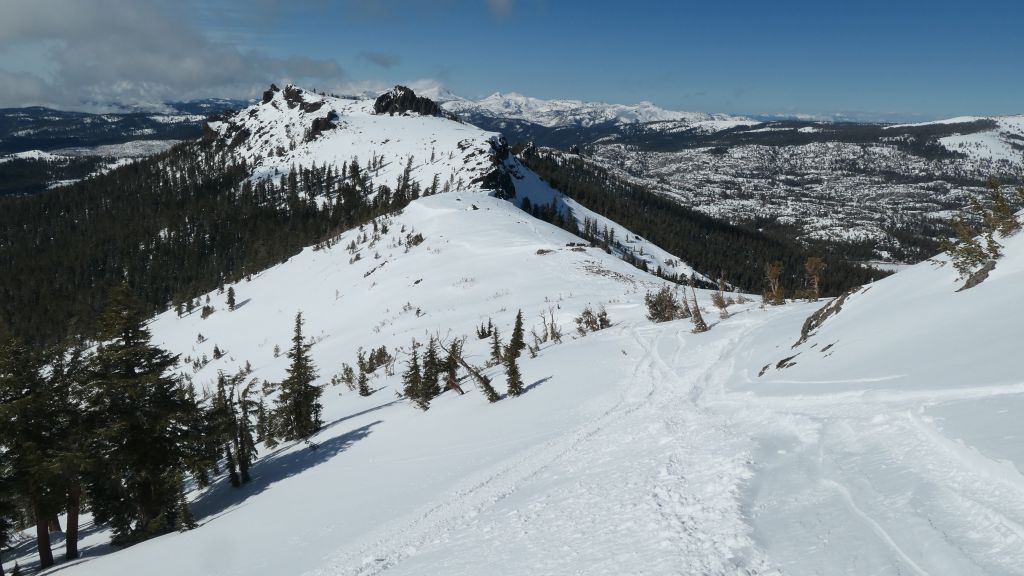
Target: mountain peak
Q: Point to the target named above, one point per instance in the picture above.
(402, 100)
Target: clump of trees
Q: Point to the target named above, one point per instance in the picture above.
(664, 305)
(590, 321)
(970, 249)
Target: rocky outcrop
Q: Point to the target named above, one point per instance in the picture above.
(268, 95)
(402, 100)
(499, 178)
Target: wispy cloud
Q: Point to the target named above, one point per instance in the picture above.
(382, 59)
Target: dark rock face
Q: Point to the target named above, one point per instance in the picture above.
(321, 125)
(400, 100)
(293, 96)
(498, 179)
(268, 95)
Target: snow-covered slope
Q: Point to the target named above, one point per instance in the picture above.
(887, 442)
(552, 113)
(295, 127)
(1004, 142)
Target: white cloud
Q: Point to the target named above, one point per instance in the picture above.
(134, 52)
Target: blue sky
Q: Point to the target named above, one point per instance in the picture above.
(886, 60)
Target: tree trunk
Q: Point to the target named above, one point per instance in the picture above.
(54, 524)
(71, 536)
(43, 539)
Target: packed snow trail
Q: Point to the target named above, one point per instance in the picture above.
(651, 486)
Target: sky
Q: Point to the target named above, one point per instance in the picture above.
(895, 60)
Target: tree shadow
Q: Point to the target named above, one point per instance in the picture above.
(536, 384)
(530, 387)
(242, 303)
(278, 466)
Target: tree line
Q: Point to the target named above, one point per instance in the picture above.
(177, 224)
(710, 245)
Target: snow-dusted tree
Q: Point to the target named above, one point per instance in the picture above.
(231, 298)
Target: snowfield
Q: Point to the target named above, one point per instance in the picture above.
(640, 449)
(888, 441)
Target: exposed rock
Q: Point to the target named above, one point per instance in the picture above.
(321, 125)
(268, 95)
(814, 321)
(401, 100)
(499, 179)
(979, 276)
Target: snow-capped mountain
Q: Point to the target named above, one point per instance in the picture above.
(295, 127)
(873, 191)
(881, 435)
(886, 441)
(562, 113)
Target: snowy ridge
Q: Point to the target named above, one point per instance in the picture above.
(888, 441)
(1004, 143)
(551, 113)
(295, 127)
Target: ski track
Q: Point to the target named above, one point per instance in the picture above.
(858, 483)
(676, 509)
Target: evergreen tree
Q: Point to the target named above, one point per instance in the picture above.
(231, 298)
(516, 344)
(27, 439)
(298, 412)
(431, 370)
(496, 355)
(412, 380)
(139, 417)
(965, 251)
(363, 384)
(515, 381)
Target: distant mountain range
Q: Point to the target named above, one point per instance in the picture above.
(884, 191)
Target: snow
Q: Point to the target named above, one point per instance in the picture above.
(553, 113)
(890, 445)
(31, 155)
(1004, 143)
(278, 141)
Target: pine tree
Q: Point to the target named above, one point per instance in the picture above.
(25, 434)
(431, 371)
(513, 378)
(496, 355)
(139, 417)
(231, 298)
(298, 411)
(412, 380)
(965, 251)
(516, 344)
(363, 384)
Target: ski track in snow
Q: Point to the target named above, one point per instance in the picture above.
(675, 509)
